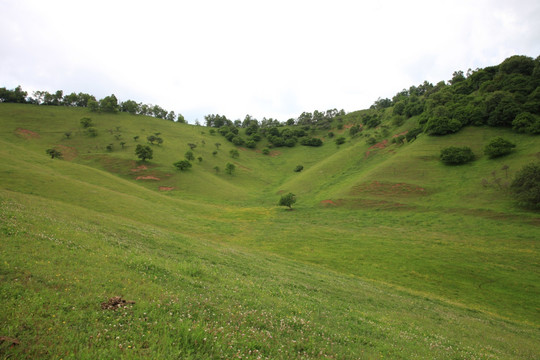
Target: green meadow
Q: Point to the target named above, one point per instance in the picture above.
(387, 252)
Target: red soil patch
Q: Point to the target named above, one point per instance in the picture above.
(403, 133)
(166, 188)
(148, 177)
(328, 202)
(26, 134)
(140, 168)
(380, 145)
(68, 153)
(393, 189)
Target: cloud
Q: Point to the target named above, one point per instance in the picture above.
(273, 59)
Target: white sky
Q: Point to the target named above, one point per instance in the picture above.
(264, 58)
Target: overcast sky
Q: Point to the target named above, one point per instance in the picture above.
(263, 58)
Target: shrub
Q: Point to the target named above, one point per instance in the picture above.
(287, 200)
(526, 186)
(498, 147)
(189, 155)
(299, 168)
(526, 123)
(54, 153)
(311, 142)
(454, 155)
(234, 153)
(340, 140)
(266, 151)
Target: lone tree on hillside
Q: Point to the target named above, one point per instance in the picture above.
(229, 168)
(189, 155)
(234, 153)
(182, 165)
(454, 155)
(144, 152)
(53, 153)
(287, 200)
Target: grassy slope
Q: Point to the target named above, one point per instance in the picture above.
(451, 274)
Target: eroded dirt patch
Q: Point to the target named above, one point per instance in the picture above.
(328, 202)
(26, 134)
(116, 302)
(68, 153)
(147, 177)
(392, 189)
(140, 168)
(166, 188)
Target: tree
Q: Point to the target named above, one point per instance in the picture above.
(454, 155)
(214, 152)
(234, 153)
(217, 145)
(287, 200)
(299, 168)
(498, 147)
(230, 168)
(180, 118)
(144, 152)
(200, 158)
(109, 147)
(93, 105)
(86, 122)
(526, 186)
(54, 153)
(192, 146)
(182, 165)
(526, 123)
(67, 134)
(136, 137)
(122, 143)
(189, 155)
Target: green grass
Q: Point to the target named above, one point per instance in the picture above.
(412, 259)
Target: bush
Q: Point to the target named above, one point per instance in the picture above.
(498, 147)
(526, 123)
(526, 186)
(340, 140)
(311, 142)
(266, 151)
(454, 155)
(299, 168)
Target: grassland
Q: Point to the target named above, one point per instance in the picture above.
(386, 255)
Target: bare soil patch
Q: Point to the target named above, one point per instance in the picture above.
(26, 134)
(391, 189)
(68, 153)
(147, 177)
(140, 168)
(166, 188)
(403, 133)
(328, 202)
(116, 302)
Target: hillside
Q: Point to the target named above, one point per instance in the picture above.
(387, 252)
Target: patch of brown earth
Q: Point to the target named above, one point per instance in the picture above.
(140, 168)
(328, 202)
(380, 145)
(116, 302)
(166, 188)
(398, 135)
(26, 134)
(68, 153)
(147, 177)
(393, 189)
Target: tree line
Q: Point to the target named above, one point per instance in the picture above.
(109, 104)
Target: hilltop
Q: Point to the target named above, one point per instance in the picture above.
(388, 252)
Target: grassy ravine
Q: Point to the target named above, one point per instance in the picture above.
(390, 255)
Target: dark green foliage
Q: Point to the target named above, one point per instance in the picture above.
(234, 153)
(371, 140)
(91, 131)
(266, 151)
(498, 147)
(311, 142)
(230, 168)
(299, 168)
(86, 122)
(454, 155)
(54, 153)
(251, 144)
(199, 158)
(182, 165)
(130, 106)
(526, 123)
(189, 155)
(144, 152)
(413, 133)
(518, 64)
(502, 108)
(135, 138)
(192, 146)
(287, 200)
(67, 134)
(238, 141)
(340, 140)
(330, 134)
(214, 152)
(526, 186)
(442, 125)
(109, 147)
(13, 96)
(355, 129)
